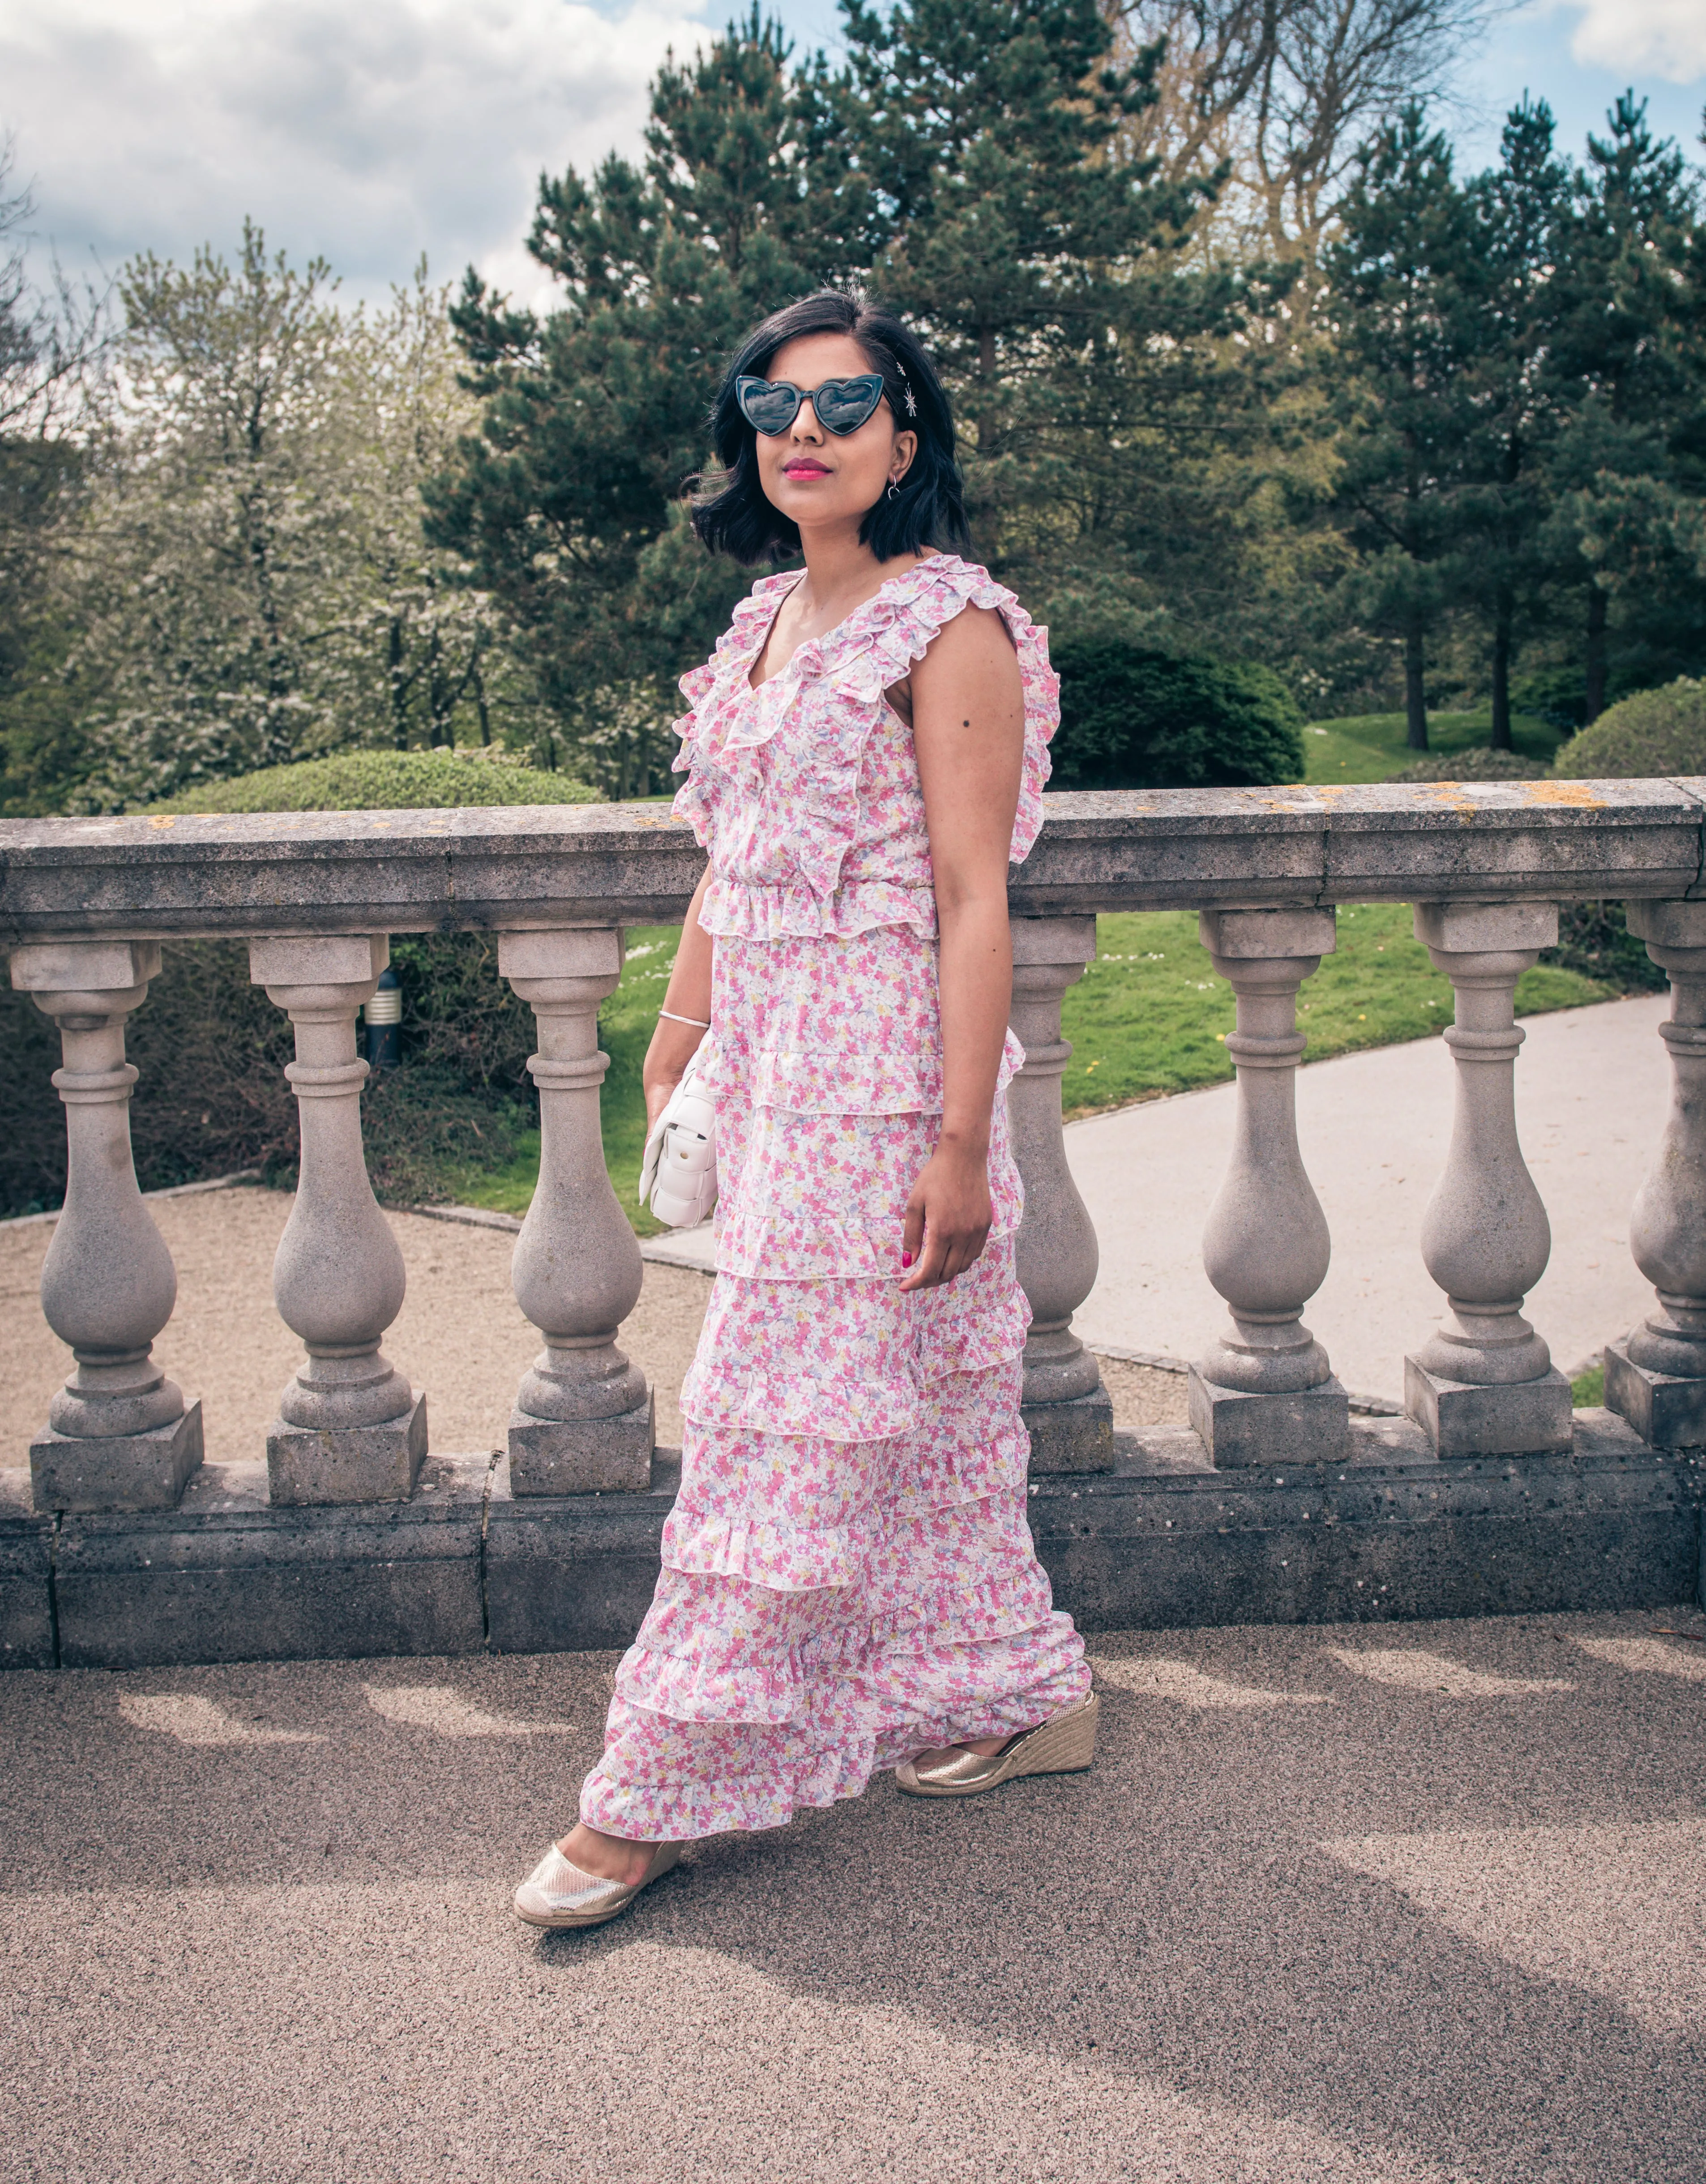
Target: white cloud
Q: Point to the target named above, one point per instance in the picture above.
(364, 130)
(1666, 37)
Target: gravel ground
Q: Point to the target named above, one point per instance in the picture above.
(460, 1335)
(1361, 1905)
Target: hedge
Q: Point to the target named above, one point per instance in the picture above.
(382, 780)
(211, 1048)
(1655, 731)
(1133, 718)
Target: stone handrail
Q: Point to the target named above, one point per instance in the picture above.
(84, 905)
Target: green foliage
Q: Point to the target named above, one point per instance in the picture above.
(1136, 719)
(247, 579)
(1593, 938)
(211, 1048)
(1473, 766)
(1655, 731)
(967, 165)
(1406, 326)
(1624, 367)
(382, 780)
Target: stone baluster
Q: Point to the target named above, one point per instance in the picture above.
(1485, 1384)
(120, 1435)
(1656, 1378)
(350, 1428)
(1066, 1407)
(583, 1418)
(1266, 1392)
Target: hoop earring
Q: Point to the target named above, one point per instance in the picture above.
(893, 490)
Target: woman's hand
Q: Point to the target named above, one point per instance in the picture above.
(947, 1215)
(673, 1047)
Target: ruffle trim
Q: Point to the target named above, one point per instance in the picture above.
(734, 1662)
(756, 1246)
(721, 1527)
(876, 1376)
(854, 663)
(749, 910)
(659, 1781)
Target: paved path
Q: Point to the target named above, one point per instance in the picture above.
(1592, 1090)
(1359, 1905)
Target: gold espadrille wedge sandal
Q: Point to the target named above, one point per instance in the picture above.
(558, 1894)
(1064, 1744)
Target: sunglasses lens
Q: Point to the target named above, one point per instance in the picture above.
(767, 405)
(843, 404)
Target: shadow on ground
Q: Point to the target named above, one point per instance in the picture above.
(1406, 1902)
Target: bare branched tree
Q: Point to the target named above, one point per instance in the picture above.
(1283, 91)
(53, 339)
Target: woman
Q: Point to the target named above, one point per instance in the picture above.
(848, 1580)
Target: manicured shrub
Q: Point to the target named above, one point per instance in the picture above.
(1474, 765)
(1131, 718)
(382, 780)
(211, 1047)
(1655, 731)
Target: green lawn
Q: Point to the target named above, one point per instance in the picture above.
(1148, 1017)
(1371, 746)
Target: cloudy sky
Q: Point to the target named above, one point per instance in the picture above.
(372, 130)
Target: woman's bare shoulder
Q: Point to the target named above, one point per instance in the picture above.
(976, 642)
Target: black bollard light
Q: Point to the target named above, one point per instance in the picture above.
(383, 1017)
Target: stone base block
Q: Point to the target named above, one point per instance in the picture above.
(1667, 1412)
(123, 1472)
(307, 1468)
(1529, 1417)
(583, 1456)
(1075, 1435)
(1239, 1429)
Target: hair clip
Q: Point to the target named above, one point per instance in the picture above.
(911, 406)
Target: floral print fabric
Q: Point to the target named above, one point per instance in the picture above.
(848, 1577)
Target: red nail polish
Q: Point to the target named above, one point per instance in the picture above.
(906, 1258)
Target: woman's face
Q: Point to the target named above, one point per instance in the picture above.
(810, 475)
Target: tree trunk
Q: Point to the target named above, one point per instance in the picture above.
(1504, 614)
(1596, 651)
(399, 703)
(1415, 694)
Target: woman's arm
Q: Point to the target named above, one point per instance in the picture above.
(688, 994)
(968, 706)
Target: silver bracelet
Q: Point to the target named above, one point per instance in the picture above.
(694, 1021)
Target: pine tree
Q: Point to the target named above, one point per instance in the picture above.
(1041, 256)
(1627, 361)
(1516, 210)
(568, 504)
(1403, 319)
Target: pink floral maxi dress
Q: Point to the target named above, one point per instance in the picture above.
(848, 1577)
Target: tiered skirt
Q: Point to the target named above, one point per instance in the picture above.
(848, 1577)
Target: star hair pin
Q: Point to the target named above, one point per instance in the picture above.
(911, 405)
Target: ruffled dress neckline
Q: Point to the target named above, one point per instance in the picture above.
(805, 789)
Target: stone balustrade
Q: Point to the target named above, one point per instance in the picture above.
(84, 904)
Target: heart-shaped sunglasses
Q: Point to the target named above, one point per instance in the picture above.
(841, 406)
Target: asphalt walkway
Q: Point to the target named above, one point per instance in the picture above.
(1365, 1905)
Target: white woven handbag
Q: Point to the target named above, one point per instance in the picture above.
(679, 1174)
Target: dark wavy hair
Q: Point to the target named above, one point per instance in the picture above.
(929, 510)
